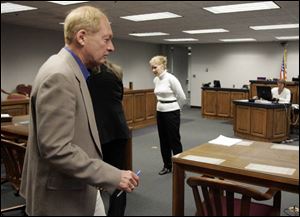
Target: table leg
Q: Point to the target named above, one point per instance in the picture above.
(178, 191)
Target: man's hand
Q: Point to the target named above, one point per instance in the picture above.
(129, 181)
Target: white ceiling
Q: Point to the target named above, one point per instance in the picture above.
(49, 15)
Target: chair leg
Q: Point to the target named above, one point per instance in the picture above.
(13, 208)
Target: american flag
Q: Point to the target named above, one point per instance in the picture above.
(283, 72)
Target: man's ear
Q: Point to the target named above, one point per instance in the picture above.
(81, 37)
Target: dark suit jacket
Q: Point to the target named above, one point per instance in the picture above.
(107, 93)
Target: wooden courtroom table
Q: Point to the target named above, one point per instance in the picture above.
(261, 120)
(18, 128)
(236, 158)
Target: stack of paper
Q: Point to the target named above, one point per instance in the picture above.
(6, 118)
(223, 140)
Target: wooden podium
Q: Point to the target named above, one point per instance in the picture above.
(261, 121)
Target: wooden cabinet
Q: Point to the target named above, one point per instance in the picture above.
(15, 107)
(291, 85)
(242, 123)
(236, 96)
(209, 103)
(128, 107)
(139, 107)
(150, 105)
(262, 122)
(217, 102)
(223, 104)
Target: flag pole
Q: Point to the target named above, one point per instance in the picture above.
(283, 71)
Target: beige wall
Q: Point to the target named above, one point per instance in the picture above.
(237, 63)
(23, 51)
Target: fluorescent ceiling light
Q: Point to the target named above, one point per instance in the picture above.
(67, 2)
(181, 39)
(145, 34)
(288, 37)
(281, 26)
(152, 16)
(202, 31)
(237, 39)
(11, 7)
(242, 7)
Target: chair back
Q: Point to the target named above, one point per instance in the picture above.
(24, 89)
(218, 198)
(12, 155)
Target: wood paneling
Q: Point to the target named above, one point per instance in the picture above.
(236, 96)
(223, 103)
(128, 107)
(268, 122)
(279, 127)
(243, 123)
(209, 102)
(150, 105)
(15, 107)
(139, 107)
(217, 102)
(258, 122)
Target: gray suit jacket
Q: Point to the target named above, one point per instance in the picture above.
(63, 162)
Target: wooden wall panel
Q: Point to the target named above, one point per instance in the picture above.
(140, 107)
(139, 103)
(150, 105)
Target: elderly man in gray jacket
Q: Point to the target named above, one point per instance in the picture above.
(63, 167)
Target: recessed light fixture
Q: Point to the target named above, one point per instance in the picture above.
(67, 2)
(12, 7)
(152, 16)
(181, 39)
(242, 7)
(237, 39)
(281, 26)
(203, 31)
(288, 37)
(148, 34)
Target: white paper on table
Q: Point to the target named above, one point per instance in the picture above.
(24, 122)
(285, 147)
(270, 169)
(5, 116)
(223, 140)
(245, 143)
(202, 159)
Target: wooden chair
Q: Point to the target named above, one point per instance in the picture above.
(219, 198)
(24, 89)
(22, 92)
(12, 155)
